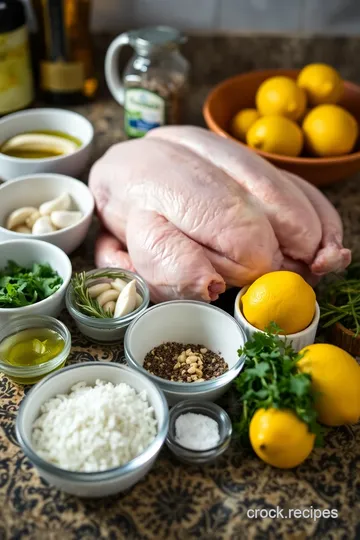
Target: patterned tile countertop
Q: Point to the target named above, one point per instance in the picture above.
(176, 501)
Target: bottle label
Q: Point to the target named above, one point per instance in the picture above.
(16, 85)
(62, 76)
(144, 110)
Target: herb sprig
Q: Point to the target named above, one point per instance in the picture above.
(271, 379)
(87, 305)
(341, 301)
(21, 286)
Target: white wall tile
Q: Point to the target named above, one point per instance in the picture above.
(260, 15)
(332, 16)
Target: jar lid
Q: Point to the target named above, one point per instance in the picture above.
(157, 36)
(12, 15)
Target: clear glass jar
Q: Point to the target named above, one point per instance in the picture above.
(155, 79)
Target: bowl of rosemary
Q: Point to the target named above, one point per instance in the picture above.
(340, 310)
(105, 301)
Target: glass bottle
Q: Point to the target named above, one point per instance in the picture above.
(154, 81)
(67, 74)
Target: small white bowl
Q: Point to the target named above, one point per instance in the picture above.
(25, 253)
(33, 190)
(298, 340)
(98, 484)
(186, 321)
(42, 120)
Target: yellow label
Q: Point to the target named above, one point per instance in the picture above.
(16, 85)
(62, 76)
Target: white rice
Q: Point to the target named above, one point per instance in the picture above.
(94, 428)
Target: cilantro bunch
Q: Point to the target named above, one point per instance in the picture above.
(270, 378)
(21, 286)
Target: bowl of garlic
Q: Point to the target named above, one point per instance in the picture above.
(103, 302)
(51, 207)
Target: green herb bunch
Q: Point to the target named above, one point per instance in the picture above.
(21, 286)
(270, 378)
(341, 301)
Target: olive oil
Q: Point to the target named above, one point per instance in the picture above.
(31, 347)
(40, 144)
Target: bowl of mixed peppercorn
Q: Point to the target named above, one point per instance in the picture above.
(188, 348)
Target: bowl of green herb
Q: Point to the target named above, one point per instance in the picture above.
(34, 276)
(340, 310)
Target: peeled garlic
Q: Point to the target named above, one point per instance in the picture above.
(109, 306)
(63, 202)
(119, 284)
(107, 296)
(30, 221)
(127, 300)
(95, 290)
(22, 229)
(18, 217)
(62, 218)
(43, 225)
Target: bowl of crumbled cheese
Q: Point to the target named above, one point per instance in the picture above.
(93, 429)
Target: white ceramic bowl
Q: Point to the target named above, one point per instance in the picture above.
(298, 340)
(25, 252)
(91, 484)
(46, 119)
(186, 321)
(33, 190)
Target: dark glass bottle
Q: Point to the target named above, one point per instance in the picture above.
(66, 71)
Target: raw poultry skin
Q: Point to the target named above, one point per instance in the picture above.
(193, 213)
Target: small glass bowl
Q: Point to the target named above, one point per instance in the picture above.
(32, 374)
(106, 330)
(199, 457)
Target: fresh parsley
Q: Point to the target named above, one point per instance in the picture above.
(270, 378)
(21, 286)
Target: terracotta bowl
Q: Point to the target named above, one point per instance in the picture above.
(238, 92)
(345, 339)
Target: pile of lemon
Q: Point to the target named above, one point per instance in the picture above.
(278, 436)
(292, 116)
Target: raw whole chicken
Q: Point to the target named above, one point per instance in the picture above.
(194, 213)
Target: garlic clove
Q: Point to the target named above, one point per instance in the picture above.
(40, 142)
(95, 290)
(107, 296)
(63, 202)
(19, 216)
(43, 225)
(127, 299)
(109, 306)
(30, 221)
(119, 284)
(139, 300)
(63, 218)
(22, 229)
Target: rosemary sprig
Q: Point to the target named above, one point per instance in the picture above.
(87, 305)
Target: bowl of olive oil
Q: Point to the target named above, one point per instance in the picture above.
(44, 140)
(33, 348)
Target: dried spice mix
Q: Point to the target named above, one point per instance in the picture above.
(184, 363)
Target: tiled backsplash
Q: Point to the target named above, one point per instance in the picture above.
(334, 17)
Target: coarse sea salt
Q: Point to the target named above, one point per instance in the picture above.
(94, 428)
(196, 431)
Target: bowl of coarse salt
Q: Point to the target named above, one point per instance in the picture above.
(93, 429)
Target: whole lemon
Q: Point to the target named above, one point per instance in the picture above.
(336, 376)
(277, 135)
(330, 130)
(282, 297)
(281, 96)
(322, 84)
(242, 121)
(280, 438)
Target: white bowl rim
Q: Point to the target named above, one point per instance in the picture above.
(9, 184)
(108, 474)
(174, 387)
(64, 285)
(314, 323)
(43, 110)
